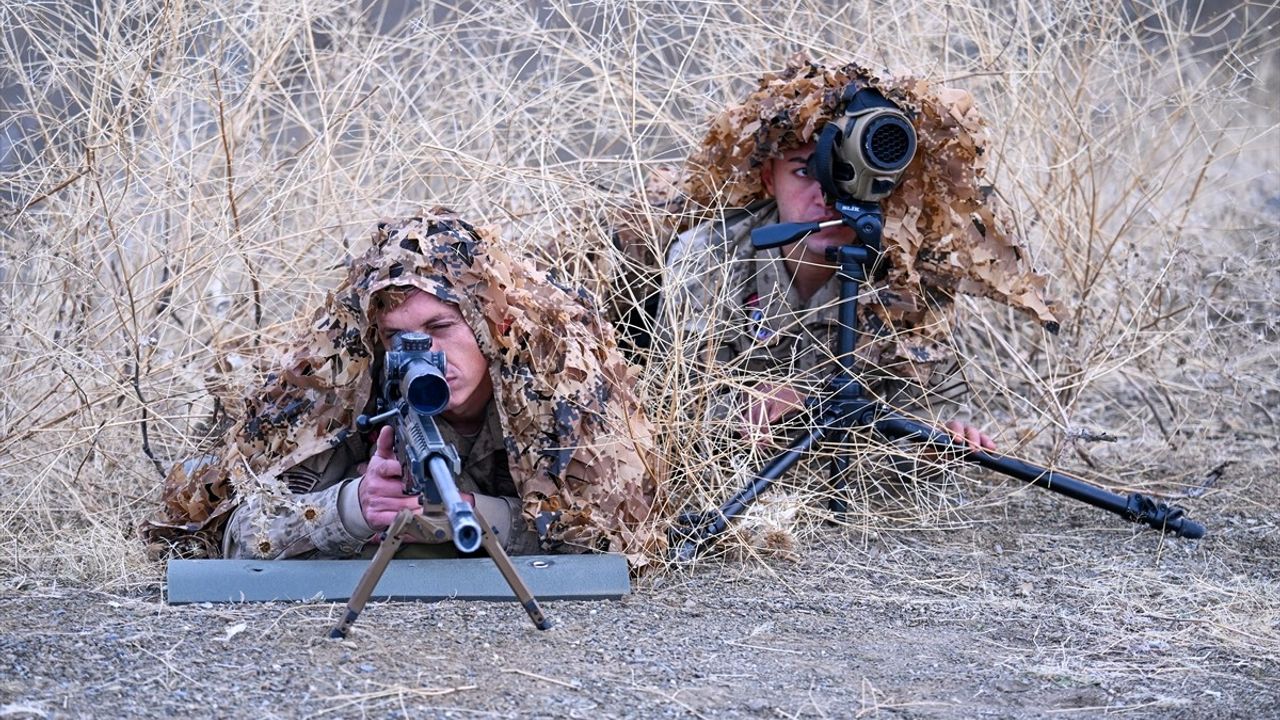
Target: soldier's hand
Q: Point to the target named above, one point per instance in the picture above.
(381, 490)
(773, 402)
(970, 435)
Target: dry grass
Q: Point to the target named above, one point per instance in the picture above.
(182, 180)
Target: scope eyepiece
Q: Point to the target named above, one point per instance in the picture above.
(888, 142)
(861, 156)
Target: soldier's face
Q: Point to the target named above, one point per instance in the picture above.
(800, 199)
(466, 371)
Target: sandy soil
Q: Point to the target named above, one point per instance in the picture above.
(1040, 608)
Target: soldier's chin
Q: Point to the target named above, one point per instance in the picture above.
(457, 398)
(820, 242)
(467, 404)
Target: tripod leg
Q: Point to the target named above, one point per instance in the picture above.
(500, 558)
(391, 540)
(1135, 508)
(690, 538)
(837, 503)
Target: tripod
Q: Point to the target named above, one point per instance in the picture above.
(844, 406)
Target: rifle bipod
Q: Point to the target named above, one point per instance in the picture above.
(433, 525)
(845, 407)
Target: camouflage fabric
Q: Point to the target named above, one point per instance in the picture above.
(945, 226)
(727, 300)
(580, 448)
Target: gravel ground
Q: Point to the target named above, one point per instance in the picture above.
(1011, 616)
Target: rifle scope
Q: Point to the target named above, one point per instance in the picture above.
(417, 373)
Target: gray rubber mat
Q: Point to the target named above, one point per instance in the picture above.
(549, 577)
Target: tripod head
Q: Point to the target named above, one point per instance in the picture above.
(866, 219)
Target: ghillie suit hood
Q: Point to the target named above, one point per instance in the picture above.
(579, 446)
(944, 227)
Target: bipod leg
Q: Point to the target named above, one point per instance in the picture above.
(489, 541)
(392, 537)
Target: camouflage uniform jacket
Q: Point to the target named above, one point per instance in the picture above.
(728, 304)
(323, 519)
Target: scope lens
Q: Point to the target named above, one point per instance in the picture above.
(427, 392)
(889, 142)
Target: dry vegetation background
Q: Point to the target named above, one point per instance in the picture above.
(180, 180)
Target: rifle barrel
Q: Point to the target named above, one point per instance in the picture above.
(466, 531)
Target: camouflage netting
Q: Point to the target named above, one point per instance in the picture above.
(578, 441)
(944, 226)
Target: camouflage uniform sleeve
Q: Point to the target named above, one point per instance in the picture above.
(306, 523)
(487, 476)
(692, 305)
(711, 271)
(695, 312)
(504, 516)
(940, 396)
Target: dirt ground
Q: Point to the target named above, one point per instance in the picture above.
(1037, 607)
(179, 178)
